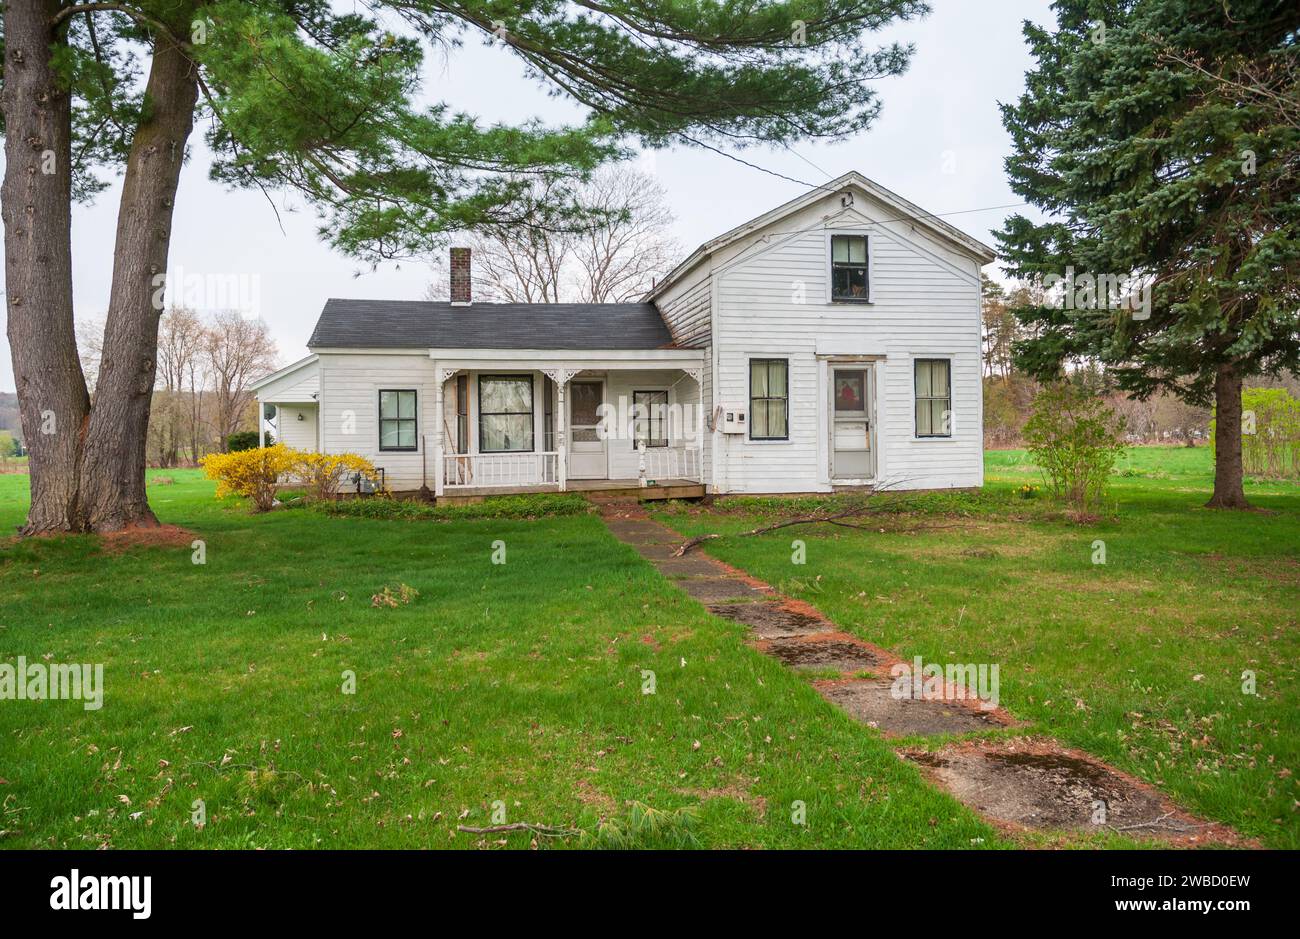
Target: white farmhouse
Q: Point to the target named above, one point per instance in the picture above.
(831, 342)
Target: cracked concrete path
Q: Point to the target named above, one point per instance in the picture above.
(1017, 782)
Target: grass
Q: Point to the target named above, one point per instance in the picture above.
(1139, 660)
(511, 687)
(517, 687)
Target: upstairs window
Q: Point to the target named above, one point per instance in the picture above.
(849, 267)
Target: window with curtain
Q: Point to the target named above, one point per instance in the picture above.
(769, 399)
(397, 421)
(650, 421)
(505, 413)
(933, 398)
(849, 267)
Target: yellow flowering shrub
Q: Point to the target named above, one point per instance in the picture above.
(253, 473)
(323, 473)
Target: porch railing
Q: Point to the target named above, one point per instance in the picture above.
(481, 470)
(670, 463)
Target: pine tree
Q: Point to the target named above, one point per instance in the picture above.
(1161, 139)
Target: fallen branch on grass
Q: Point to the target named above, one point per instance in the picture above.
(857, 511)
(550, 831)
(1159, 824)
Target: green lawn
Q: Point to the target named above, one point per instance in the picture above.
(521, 683)
(1138, 660)
(518, 683)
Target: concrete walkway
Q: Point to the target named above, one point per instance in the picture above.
(1018, 782)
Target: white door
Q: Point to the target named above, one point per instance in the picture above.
(852, 456)
(587, 458)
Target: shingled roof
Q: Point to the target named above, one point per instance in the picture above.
(410, 324)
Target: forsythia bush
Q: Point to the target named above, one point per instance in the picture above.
(254, 473)
(323, 473)
(257, 473)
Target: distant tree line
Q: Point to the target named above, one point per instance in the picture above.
(202, 394)
(1161, 417)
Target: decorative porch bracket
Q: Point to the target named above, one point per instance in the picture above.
(561, 378)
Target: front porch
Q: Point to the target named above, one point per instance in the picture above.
(596, 490)
(600, 422)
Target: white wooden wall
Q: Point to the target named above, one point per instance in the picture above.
(771, 292)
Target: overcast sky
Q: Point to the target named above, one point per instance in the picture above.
(939, 143)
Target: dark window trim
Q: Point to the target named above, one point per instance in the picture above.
(865, 265)
(667, 440)
(462, 413)
(917, 399)
(531, 412)
(379, 401)
(785, 398)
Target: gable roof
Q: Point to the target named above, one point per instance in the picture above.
(415, 324)
(905, 210)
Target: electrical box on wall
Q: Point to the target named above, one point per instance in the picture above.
(735, 419)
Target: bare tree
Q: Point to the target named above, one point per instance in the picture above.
(181, 352)
(613, 259)
(237, 350)
(619, 259)
(90, 348)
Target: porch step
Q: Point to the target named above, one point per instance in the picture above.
(646, 493)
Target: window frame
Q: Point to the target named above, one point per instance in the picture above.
(531, 412)
(917, 399)
(749, 367)
(415, 421)
(462, 413)
(663, 419)
(868, 266)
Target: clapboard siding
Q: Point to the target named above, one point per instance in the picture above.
(771, 294)
(299, 434)
(687, 308)
(350, 386)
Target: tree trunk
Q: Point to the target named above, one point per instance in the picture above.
(37, 209)
(1228, 491)
(113, 485)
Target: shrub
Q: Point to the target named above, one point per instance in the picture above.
(323, 473)
(246, 440)
(253, 473)
(1076, 438)
(1270, 433)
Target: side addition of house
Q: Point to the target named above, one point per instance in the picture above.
(833, 342)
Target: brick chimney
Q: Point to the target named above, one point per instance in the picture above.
(460, 277)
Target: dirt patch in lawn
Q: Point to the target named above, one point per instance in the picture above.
(874, 703)
(1041, 785)
(832, 651)
(152, 536)
(771, 620)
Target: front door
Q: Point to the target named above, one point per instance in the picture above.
(852, 456)
(586, 447)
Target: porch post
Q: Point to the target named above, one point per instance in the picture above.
(698, 375)
(440, 379)
(561, 380)
(261, 423)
